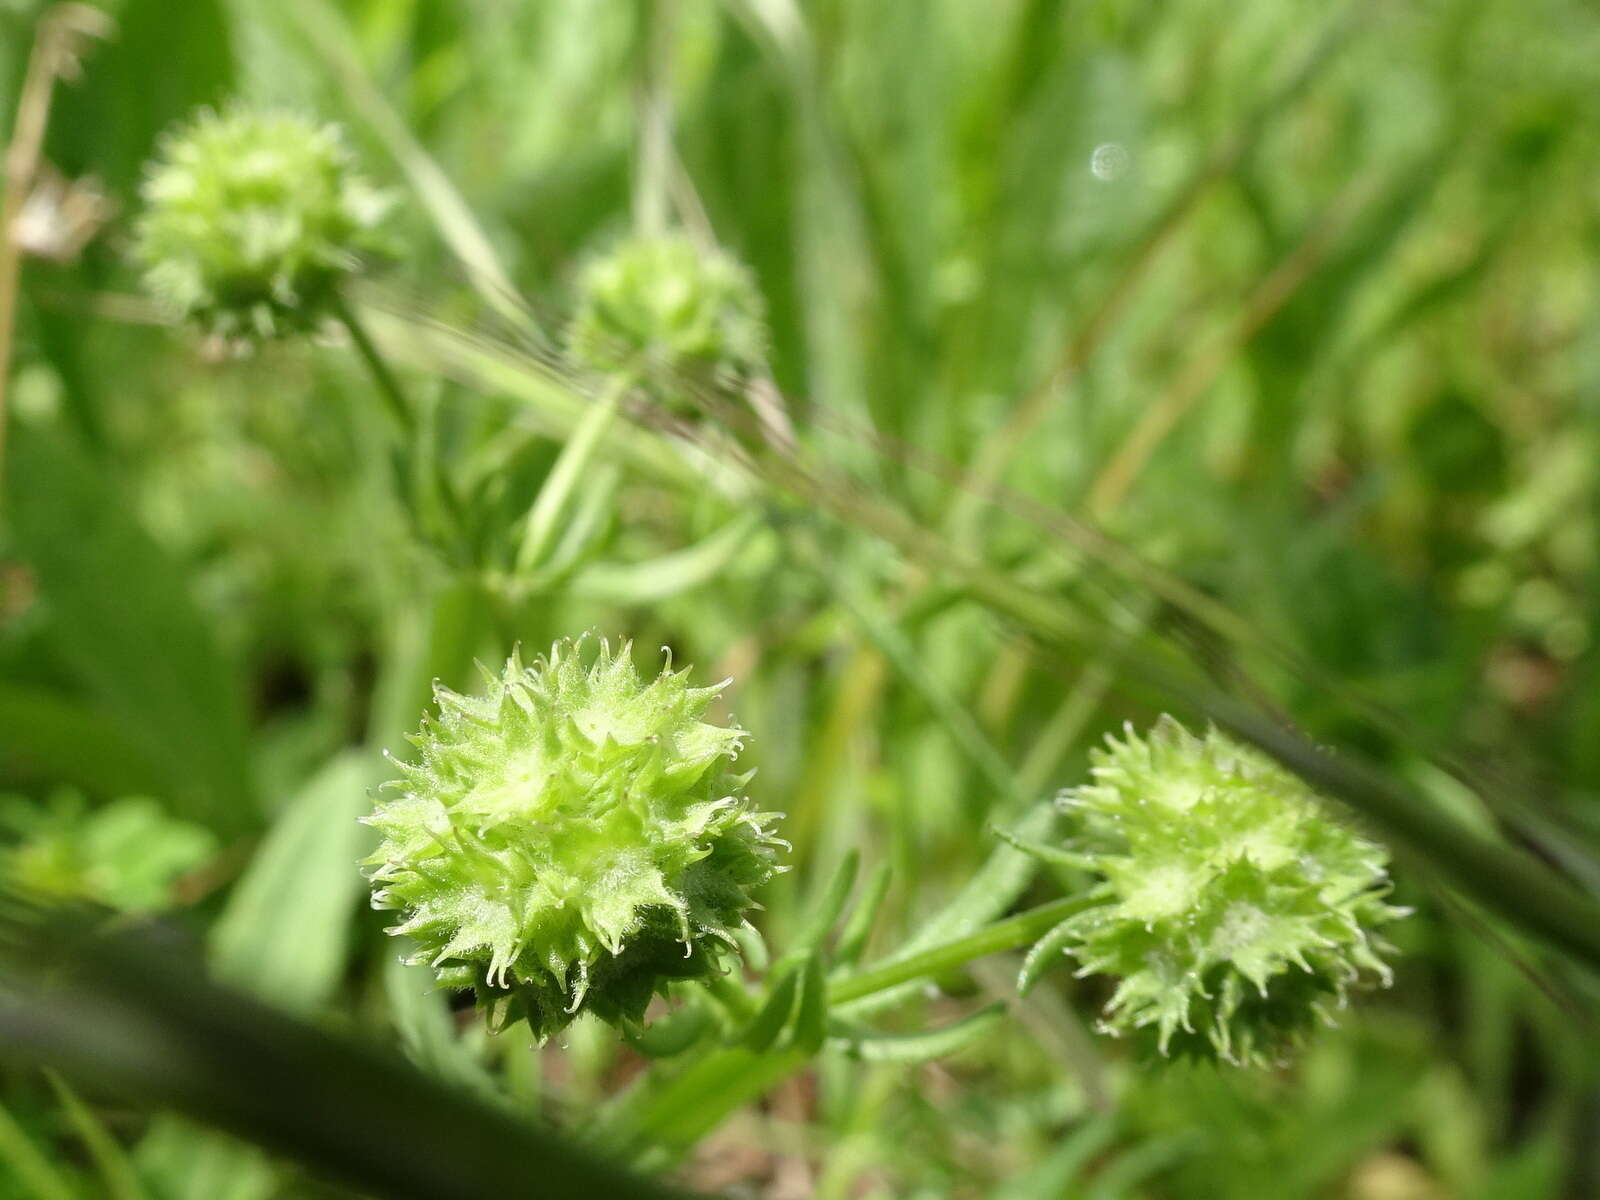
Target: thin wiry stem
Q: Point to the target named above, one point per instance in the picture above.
(1009, 934)
(394, 397)
(62, 31)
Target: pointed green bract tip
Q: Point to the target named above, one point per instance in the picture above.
(251, 220)
(573, 839)
(668, 314)
(1233, 911)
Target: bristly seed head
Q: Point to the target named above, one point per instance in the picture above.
(251, 220)
(572, 840)
(669, 314)
(1234, 912)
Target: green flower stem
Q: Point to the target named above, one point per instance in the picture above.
(545, 514)
(394, 397)
(1009, 934)
(733, 996)
(660, 1125)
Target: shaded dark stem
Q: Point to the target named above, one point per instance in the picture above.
(394, 396)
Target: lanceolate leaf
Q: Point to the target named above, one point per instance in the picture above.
(925, 1045)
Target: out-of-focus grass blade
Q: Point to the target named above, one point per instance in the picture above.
(124, 621)
(118, 1178)
(769, 1022)
(127, 1012)
(924, 1045)
(422, 1019)
(858, 926)
(1055, 1177)
(811, 1013)
(285, 931)
(658, 1123)
(42, 736)
(658, 578)
(824, 911)
(334, 42)
(190, 1162)
(952, 714)
(284, 936)
(993, 888)
(546, 396)
(32, 1171)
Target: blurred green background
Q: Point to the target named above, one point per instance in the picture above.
(1299, 302)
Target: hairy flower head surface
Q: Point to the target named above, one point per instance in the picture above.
(1234, 912)
(251, 220)
(667, 313)
(573, 839)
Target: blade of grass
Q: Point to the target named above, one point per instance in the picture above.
(126, 1012)
(328, 35)
(118, 1177)
(34, 1173)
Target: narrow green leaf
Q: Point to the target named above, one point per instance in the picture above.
(1044, 851)
(770, 1021)
(992, 889)
(118, 1178)
(858, 928)
(1054, 1178)
(331, 39)
(1044, 954)
(824, 911)
(34, 1173)
(285, 931)
(811, 1015)
(556, 493)
(421, 1017)
(185, 1161)
(926, 1045)
(658, 578)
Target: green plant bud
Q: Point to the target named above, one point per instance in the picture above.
(251, 220)
(572, 840)
(1234, 912)
(668, 314)
(128, 854)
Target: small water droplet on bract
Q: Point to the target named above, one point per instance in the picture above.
(1109, 162)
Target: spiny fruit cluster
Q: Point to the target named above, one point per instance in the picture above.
(1233, 911)
(573, 839)
(251, 220)
(667, 313)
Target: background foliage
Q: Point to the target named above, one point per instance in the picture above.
(1298, 303)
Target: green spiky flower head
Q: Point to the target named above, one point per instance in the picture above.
(251, 220)
(573, 839)
(1233, 911)
(667, 313)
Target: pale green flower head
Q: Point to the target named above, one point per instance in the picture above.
(251, 221)
(572, 840)
(669, 314)
(1234, 912)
